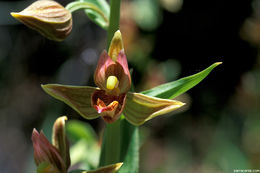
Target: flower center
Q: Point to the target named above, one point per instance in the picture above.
(112, 82)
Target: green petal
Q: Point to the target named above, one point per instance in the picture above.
(140, 108)
(77, 97)
(106, 169)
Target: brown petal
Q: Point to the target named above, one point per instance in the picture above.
(140, 108)
(100, 76)
(106, 67)
(125, 80)
(77, 97)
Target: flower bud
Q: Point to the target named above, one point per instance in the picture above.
(46, 167)
(44, 151)
(60, 141)
(47, 17)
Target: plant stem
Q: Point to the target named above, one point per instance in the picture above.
(110, 152)
(77, 5)
(113, 20)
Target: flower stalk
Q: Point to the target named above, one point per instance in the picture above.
(114, 20)
(110, 152)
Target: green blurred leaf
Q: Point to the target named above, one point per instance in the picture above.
(96, 10)
(147, 14)
(84, 155)
(85, 151)
(77, 130)
(176, 88)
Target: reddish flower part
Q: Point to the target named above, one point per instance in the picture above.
(44, 151)
(107, 67)
(108, 106)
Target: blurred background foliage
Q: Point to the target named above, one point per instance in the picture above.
(218, 130)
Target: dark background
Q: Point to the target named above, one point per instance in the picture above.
(218, 130)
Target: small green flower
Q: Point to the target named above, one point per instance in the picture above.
(112, 97)
(47, 17)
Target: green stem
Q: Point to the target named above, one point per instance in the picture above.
(110, 152)
(77, 5)
(113, 20)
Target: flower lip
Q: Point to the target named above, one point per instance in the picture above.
(108, 106)
(101, 106)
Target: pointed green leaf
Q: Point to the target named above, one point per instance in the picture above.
(173, 89)
(77, 97)
(96, 10)
(140, 108)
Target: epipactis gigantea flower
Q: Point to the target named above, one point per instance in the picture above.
(112, 97)
(47, 17)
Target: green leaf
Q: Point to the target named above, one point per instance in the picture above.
(77, 130)
(129, 148)
(96, 10)
(173, 89)
(85, 151)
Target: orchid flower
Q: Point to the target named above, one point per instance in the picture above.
(112, 97)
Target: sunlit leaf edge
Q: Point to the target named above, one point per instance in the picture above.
(173, 89)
